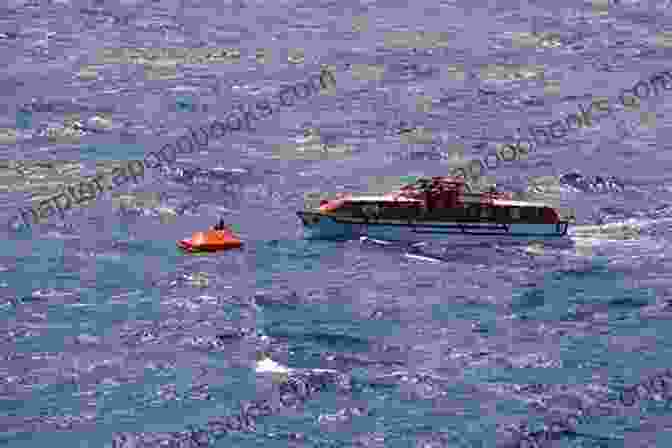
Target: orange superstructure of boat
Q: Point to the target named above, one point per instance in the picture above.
(211, 241)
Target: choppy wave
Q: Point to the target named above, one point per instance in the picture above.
(110, 336)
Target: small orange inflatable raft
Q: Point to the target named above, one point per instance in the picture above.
(211, 241)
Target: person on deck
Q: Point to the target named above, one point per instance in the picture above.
(221, 225)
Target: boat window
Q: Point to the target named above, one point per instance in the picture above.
(473, 211)
(529, 212)
(503, 213)
(525, 213)
(401, 212)
(515, 213)
(538, 212)
(349, 209)
(371, 210)
(486, 212)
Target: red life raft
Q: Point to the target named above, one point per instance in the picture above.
(211, 241)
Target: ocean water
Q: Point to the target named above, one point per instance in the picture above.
(111, 337)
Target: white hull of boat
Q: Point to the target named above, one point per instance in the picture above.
(325, 227)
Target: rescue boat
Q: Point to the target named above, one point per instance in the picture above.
(432, 208)
(210, 241)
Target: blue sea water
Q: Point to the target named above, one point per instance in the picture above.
(111, 337)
